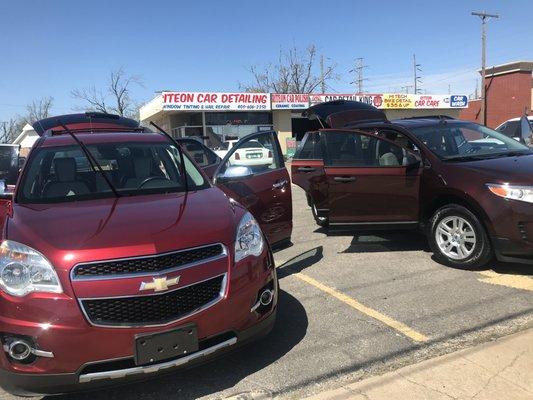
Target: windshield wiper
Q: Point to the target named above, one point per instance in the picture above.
(478, 157)
(178, 146)
(93, 163)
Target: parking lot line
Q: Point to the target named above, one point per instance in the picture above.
(513, 281)
(396, 325)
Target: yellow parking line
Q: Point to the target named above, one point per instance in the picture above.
(402, 328)
(513, 281)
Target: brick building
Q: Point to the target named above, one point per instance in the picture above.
(509, 94)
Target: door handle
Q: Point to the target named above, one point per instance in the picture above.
(344, 179)
(279, 184)
(306, 169)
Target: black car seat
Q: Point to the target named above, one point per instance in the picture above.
(142, 167)
(65, 183)
(386, 154)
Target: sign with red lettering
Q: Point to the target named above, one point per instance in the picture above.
(289, 101)
(215, 101)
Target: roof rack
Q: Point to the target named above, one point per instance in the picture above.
(436, 116)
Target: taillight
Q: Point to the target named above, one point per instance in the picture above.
(269, 154)
(237, 156)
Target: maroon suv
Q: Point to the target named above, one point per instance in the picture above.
(119, 258)
(469, 187)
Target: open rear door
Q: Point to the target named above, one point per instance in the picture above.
(253, 173)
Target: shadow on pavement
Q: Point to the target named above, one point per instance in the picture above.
(300, 262)
(220, 374)
(378, 242)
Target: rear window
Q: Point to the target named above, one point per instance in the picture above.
(310, 148)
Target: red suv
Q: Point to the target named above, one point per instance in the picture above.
(120, 259)
(469, 187)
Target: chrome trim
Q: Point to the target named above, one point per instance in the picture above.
(141, 274)
(36, 352)
(221, 295)
(149, 369)
(375, 223)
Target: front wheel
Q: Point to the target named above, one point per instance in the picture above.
(457, 238)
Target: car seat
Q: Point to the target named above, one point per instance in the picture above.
(65, 182)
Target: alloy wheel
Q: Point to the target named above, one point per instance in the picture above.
(455, 237)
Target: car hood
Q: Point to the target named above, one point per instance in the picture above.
(513, 170)
(70, 233)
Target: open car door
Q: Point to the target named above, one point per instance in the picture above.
(253, 173)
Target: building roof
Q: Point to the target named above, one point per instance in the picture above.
(515, 66)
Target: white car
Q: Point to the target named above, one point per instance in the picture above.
(226, 146)
(511, 128)
(251, 153)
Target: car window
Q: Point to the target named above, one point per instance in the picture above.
(259, 154)
(351, 149)
(59, 174)
(457, 139)
(199, 153)
(510, 129)
(310, 148)
(397, 137)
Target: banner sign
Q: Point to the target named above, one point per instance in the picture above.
(214, 101)
(289, 101)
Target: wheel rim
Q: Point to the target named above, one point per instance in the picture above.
(456, 238)
(321, 219)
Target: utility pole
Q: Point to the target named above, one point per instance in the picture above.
(484, 17)
(416, 69)
(322, 83)
(358, 70)
(406, 88)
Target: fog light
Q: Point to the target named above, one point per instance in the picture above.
(19, 350)
(266, 297)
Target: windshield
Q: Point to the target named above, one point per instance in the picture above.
(61, 174)
(464, 140)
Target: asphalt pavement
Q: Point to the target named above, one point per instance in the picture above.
(351, 307)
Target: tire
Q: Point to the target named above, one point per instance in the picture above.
(320, 221)
(458, 239)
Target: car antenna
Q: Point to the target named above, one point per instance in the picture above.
(94, 164)
(172, 140)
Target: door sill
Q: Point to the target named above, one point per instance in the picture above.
(385, 225)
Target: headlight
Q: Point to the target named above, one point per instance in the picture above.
(24, 270)
(522, 193)
(249, 240)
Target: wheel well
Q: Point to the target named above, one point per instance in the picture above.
(451, 199)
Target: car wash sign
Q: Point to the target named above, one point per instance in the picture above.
(215, 101)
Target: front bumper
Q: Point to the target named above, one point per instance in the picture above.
(39, 384)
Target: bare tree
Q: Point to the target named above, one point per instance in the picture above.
(294, 72)
(9, 130)
(115, 98)
(38, 109)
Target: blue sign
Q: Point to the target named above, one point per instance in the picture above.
(458, 101)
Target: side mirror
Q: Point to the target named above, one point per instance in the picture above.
(4, 194)
(525, 128)
(413, 161)
(234, 172)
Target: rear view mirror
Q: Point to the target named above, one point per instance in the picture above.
(235, 172)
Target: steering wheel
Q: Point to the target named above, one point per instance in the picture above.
(152, 178)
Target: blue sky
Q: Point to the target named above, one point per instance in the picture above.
(51, 47)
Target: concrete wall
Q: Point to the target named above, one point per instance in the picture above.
(282, 122)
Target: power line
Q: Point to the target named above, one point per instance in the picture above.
(358, 70)
(484, 17)
(417, 79)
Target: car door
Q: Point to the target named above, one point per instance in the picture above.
(202, 155)
(253, 173)
(372, 182)
(307, 170)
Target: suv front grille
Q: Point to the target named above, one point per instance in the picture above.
(155, 309)
(148, 264)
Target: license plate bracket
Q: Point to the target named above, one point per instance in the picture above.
(155, 347)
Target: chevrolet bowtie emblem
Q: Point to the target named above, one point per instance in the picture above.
(159, 284)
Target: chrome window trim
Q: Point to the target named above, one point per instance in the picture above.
(221, 296)
(73, 277)
(148, 369)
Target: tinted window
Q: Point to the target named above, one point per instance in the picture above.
(310, 148)
(201, 154)
(510, 129)
(58, 174)
(350, 149)
(456, 139)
